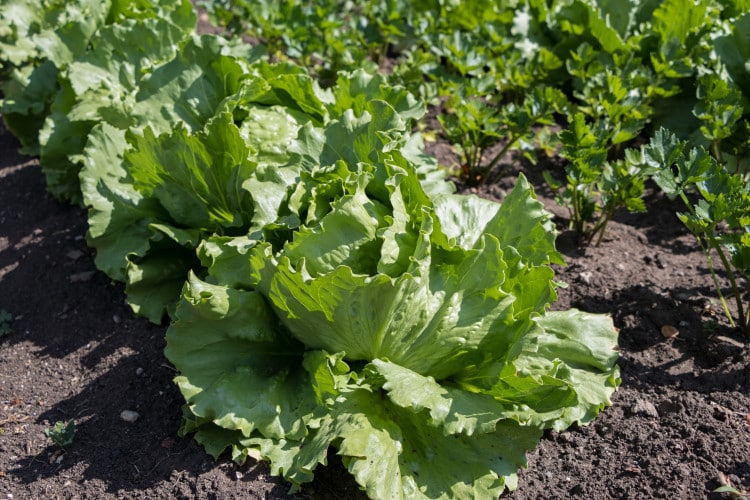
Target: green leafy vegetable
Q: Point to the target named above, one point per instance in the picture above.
(720, 219)
(373, 277)
(335, 292)
(36, 40)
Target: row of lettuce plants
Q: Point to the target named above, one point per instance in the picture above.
(325, 287)
(611, 73)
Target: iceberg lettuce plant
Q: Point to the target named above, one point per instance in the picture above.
(409, 332)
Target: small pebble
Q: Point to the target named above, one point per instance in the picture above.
(74, 254)
(139, 371)
(645, 408)
(585, 277)
(81, 277)
(669, 331)
(129, 416)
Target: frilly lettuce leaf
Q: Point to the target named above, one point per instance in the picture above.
(196, 178)
(58, 31)
(142, 193)
(560, 372)
(354, 90)
(376, 277)
(235, 177)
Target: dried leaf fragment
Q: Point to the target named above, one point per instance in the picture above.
(669, 331)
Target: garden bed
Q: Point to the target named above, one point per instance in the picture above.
(678, 427)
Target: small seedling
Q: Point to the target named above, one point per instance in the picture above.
(733, 492)
(61, 433)
(6, 319)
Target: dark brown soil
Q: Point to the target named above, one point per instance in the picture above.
(679, 426)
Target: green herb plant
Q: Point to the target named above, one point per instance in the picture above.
(474, 125)
(719, 219)
(595, 188)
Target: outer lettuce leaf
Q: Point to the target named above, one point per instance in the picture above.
(238, 368)
(394, 453)
(55, 30)
(559, 373)
(189, 88)
(431, 176)
(155, 280)
(196, 178)
(119, 216)
(353, 138)
(27, 93)
(734, 51)
(180, 11)
(143, 191)
(580, 349)
(455, 410)
(354, 90)
(293, 88)
(520, 221)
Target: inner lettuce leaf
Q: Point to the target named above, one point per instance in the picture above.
(432, 306)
